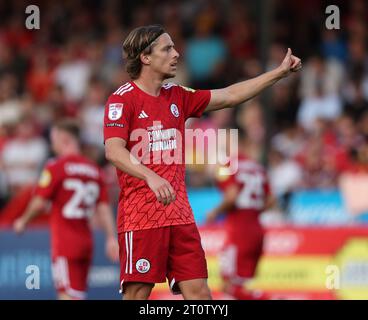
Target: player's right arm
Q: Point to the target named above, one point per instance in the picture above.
(120, 157)
(119, 114)
(36, 207)
(230, 192)
(47, 184)
(230, 195)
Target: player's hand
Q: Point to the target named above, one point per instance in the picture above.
(19, 226)
(211, 216)
(162, 189)
(112, 249)
(290, 64)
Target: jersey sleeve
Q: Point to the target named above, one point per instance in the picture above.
(103, 197)
(49, 180)
(117, 117)
(266, 186)
(195, 101)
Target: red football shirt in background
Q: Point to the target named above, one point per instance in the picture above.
(254, 189)
(74, 186)
(154, 128)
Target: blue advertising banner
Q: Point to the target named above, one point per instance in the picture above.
(22, 258)
(318, 207)
(309, 207)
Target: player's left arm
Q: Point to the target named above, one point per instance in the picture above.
(35, 208)
(245, 90)
(229, 198)
(106, 220)
(270, 203)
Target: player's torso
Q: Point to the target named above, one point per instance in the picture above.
(251, 180)
(161, 119)
(77, 193)
(156, 132)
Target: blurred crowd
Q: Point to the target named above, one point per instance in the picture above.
(317, 120)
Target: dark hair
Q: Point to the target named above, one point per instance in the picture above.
(70, 126)
(139, 41)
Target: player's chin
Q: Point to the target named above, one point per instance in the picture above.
(169, 75)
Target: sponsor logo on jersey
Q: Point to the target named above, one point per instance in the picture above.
(45, 179)
(174, 110)
(142, 115)
(120, 125)
(115, 111)
(143, 265)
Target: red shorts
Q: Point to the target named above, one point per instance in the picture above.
(240, 255)
(152, 255)
(70, 276)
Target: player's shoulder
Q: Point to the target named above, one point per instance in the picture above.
(89, 161)
(171, 86)
(80, 159)
(52, 163)
(51, 169)
(247, 163)
(123, 92)
(81, 165)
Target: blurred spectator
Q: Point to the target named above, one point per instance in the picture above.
(321, 77)
(206, 52)
(239, 33)
(333, 46)
(289, 142)
(347, 134)
(10, 106)
(40, 77)
(23, 155)
(285, 176)
(284, 105)
(320, 85)
(73, 74)
(355, 93)
(91, 113)
(250, 120)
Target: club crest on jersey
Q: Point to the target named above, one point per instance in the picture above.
(174, 110)
(143, 265)
(115, 111)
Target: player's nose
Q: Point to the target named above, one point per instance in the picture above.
(176, 54)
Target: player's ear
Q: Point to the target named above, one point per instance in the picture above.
(145, 58)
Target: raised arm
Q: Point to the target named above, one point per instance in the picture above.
(245, 90)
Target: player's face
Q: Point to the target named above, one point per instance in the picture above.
(56, 140)
(164, 57)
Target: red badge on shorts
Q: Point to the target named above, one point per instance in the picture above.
(143, 265)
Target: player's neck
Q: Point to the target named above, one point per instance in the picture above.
(150, 85)
(72, 151)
